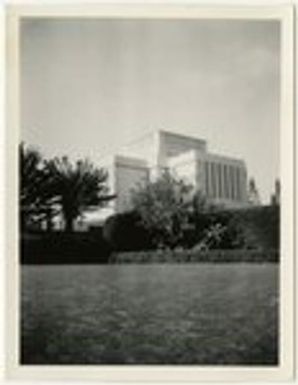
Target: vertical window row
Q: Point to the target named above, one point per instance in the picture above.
(213, 178)
(237, 183)
(207, 190)
(226, 182)
(223, 181)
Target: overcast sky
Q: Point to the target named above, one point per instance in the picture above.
(89, 85)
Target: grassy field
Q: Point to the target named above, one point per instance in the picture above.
(150, 314)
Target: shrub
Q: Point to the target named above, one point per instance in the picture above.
(163, 207)
(124, 232)
(261, 227)
(64, 248)
(251, 228)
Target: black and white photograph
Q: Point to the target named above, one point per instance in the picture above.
(151, 191)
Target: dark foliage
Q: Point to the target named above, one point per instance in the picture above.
(37, 199)
(252, 228)
(126, 232)
(58, 187)
(64, 248)
(78, 186)
(260, 227)
(163, 207)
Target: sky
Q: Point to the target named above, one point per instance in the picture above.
(88, 86)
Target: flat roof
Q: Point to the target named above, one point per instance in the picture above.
(184, 136)
(130, 161)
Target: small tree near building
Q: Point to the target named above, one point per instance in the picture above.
(253, 193)
(164, 207)
(275, 197)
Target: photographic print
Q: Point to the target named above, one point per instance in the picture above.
(152, 194)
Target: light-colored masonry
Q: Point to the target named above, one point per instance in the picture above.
(223, 180)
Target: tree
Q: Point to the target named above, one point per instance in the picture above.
(125, 232)
(275, 197)
(164, 207)
(212, 237)
(200, 207)
(78, 186)
(253, 194)
(36, 196)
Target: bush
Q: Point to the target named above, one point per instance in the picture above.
(64, 248)
(163, 206)
(124, 232)
(261, 227)
(251, 228)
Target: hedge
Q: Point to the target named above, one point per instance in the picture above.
(212, 256)
(64, 248)
(124, 232)
(248, 228)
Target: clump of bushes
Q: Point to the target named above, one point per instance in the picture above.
(125, 232)
(216, 236)
(260, 226)
(64, 248)
(251, 228)
(169, 214)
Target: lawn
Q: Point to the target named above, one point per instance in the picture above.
(150, 314)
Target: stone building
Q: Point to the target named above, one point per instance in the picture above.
(221, 179)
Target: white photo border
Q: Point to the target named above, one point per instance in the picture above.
(147, 373)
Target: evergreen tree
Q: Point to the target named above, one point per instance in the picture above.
(253, 194)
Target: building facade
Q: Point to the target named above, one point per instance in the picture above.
(221, 179)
